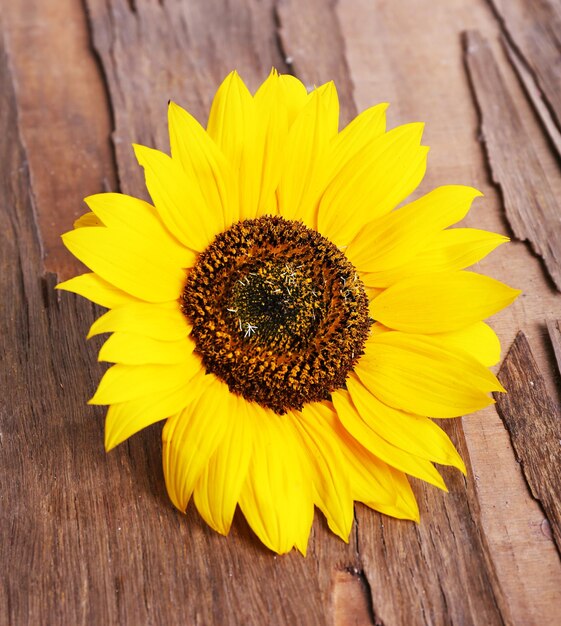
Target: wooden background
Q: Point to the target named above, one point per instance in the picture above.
(90, 538)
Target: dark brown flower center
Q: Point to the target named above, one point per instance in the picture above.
(278, 312)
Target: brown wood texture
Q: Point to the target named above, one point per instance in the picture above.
(64, 128)
(314, 48)
(530, 202)
(429, 588)
(534, 29)
(528, 81)
(92, 538)
(533, 421)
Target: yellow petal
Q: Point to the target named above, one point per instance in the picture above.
(190, 439)
(97, 290)
(203, 162)
(144, 272)
(479, 340)
(362, 130)
(128, 382)
(370, 478)
(128, 418)
(164, 322)
(448, 250)
(327, 93)
(133, 217)
(405, 506)
(218, 489)
(414, 434)
(441, 303)
(232, 125)
(305, 171)
(390, 454)
(419, 375)
(330, 477)
(88, 219)
(371, 292)
(179, 200)
(372, 183)
(394, 239)
(378, 329)
(276, 498)
(294, 95)
(270, 141)
(131, 349)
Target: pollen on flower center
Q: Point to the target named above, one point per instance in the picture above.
(277, 305)
(278, 312)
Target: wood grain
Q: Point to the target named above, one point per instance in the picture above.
(153, 52)
(529, 200)
(312, 42)
(428, 587)
(410, 54)
(534, 28)
(535, 96)
(59, 89)
(533, 421)
(92, 537)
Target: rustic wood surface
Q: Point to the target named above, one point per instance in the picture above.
(528, 81)
(533, 29)
(533, 421)
(91, 538)
(530, 203)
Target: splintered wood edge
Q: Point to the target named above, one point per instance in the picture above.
(528, 81)
(529, 201)
(533, 421)
(526, 24)
(554, 330)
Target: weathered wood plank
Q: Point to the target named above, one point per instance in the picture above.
(533, 29)
(46, 462)
(528, 82)
(533, 421)
(93, 537)
(87, 553)
(65, 130)
(409, 54)
(450, 554)
(151, 53)
(312, 42)
(529, 200)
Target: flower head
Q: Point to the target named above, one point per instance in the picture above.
(296, 330)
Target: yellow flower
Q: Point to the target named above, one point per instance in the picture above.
(292, 325)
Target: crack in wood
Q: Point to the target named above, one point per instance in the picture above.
(532, 29)
(359, 572)
(352, 599)
(431, 573)
(528, 81)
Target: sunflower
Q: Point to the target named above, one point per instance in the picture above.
(294, 328)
